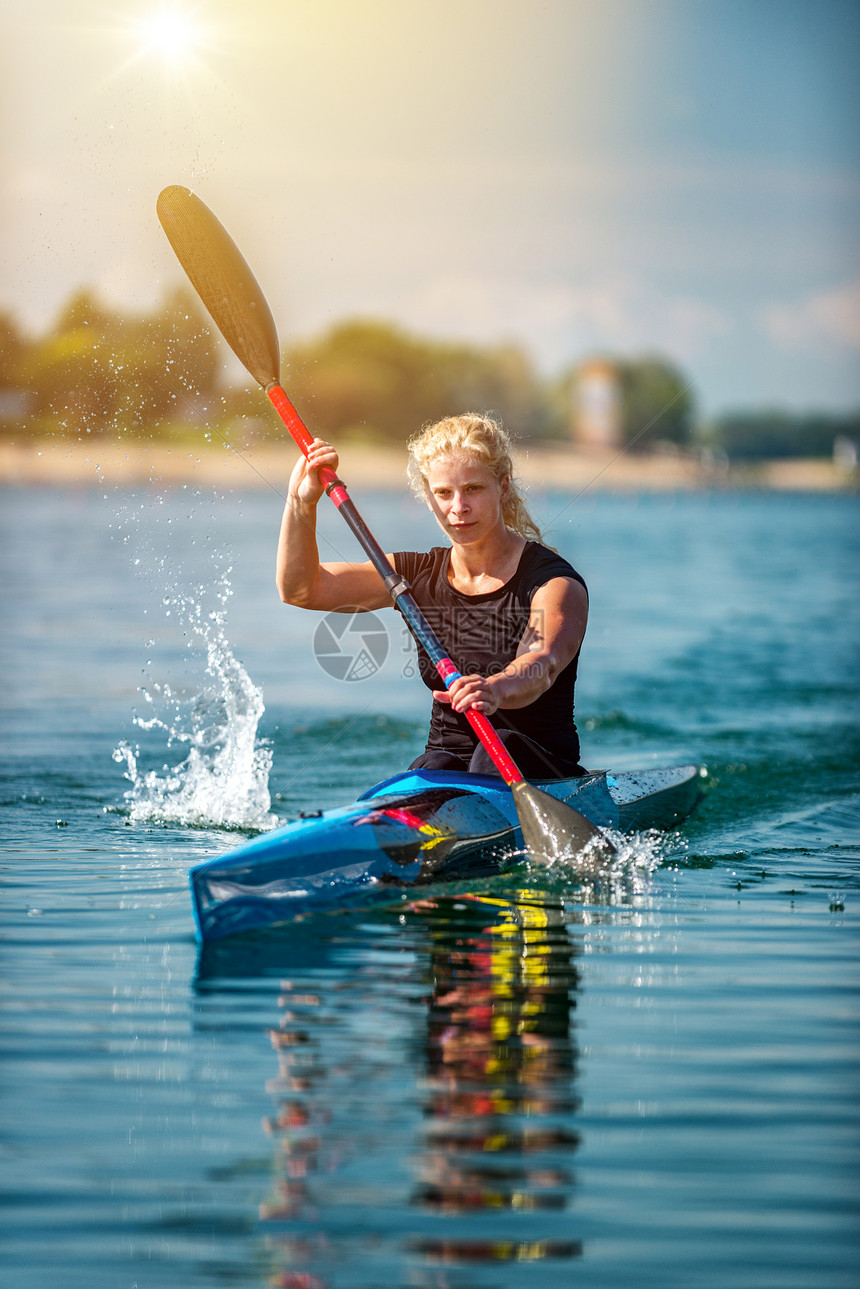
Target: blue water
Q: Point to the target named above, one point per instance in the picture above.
(651, 1084)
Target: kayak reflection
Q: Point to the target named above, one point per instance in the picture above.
(495, 1066)
(501, 1065)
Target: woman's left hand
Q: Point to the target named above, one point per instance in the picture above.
(469, 691)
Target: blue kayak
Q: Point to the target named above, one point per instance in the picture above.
(419, 827)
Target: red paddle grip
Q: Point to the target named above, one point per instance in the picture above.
(484, 730)
(299, 431)
(495, 747)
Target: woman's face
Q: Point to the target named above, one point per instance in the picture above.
(465, 497)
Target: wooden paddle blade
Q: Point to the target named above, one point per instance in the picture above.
(552, 830)
(221, 277)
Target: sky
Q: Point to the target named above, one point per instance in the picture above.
(580, 177)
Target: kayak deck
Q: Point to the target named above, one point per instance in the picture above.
(417, 827)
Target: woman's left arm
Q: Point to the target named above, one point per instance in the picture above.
(557, 621)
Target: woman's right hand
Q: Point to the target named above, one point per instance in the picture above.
(305, 483)
(301, 579)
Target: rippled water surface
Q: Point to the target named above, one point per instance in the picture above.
(510, 1085)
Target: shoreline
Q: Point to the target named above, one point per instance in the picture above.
(52, 463)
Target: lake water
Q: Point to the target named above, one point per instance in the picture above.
(511, 1086)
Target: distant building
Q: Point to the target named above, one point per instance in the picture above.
(845, 454)
(597, 406)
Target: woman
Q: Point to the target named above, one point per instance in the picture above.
(510, 612)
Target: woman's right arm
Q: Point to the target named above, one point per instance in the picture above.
(300, 577)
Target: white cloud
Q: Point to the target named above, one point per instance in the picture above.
(822, 319)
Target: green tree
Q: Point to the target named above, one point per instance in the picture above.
(375, 378)
(171, 364)
(68, 372)
(750, 436)
(657, 403)
(13, 348)
(102, 371)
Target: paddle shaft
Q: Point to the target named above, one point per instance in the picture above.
(396, 586)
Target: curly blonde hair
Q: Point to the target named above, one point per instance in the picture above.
(481, 438)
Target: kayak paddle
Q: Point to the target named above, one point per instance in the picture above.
(221, 277)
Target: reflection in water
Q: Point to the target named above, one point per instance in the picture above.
(299, 1118)
(495, 1073)
(500, 1064)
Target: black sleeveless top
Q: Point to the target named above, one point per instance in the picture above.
(481, 634)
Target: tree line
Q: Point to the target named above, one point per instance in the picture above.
(104, 372)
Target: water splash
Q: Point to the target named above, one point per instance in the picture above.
(628, 872)
(608, 877)
(223, 780)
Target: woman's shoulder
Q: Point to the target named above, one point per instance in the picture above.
(539, 564)
(536, 555)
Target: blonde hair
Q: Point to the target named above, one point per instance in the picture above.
(483, 439)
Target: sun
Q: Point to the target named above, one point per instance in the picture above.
(172, 33)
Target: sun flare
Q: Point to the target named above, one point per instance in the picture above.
(171, 32)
